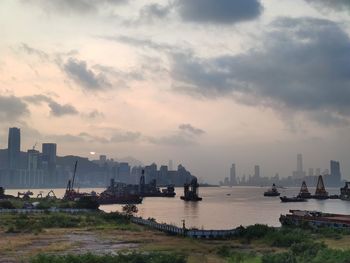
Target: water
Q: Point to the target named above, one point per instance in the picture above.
(223, 208)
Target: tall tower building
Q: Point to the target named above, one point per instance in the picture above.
(233, 180)
(170, 165)
(299, 162)
(256, 171)
(299, 173)
(14, 148)
(335, 172)
(49, 158)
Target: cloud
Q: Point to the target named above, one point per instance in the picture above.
(172, 140)
(12, 108)
(337, 5)
(125, 137)
(302, 66)
(33, 51)
(73, 6)
(57, 110)
(85, 77)
(192, 130)
(218, 11)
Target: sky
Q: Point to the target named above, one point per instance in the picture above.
(205, 83)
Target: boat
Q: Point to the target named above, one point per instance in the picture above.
(272, 192)
(151, 189)
(321, 192)
(71, 194)
(315, 219)
(345, 192)
(286, 199)
(119, 193)
(191, 191)
(304, 191)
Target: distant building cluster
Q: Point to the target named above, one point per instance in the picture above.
(35, 169)
(332, 177)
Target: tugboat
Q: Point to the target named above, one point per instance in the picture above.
(320, 192)
(345, 192)
(286, 199)
(304, 191)
(191, 191)
(272, 192)
(119, 193)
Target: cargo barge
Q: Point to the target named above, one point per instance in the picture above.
(315, 219)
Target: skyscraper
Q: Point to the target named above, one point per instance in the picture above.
(299, 162)
(49, 158)
(233, 180)
(299, 173)
(335, 172)
(256, 171)
(170, 165)
(14, 148)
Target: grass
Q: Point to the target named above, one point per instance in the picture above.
(35, 223)
(254, 244)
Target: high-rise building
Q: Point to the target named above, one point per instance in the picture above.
(233, 179)
(256, 171)
(103, 160)
(335, 172)
(170, 165)
(14, 148)
(311, 171)
(49, 151)
(299, 173)
(299, 162)
(33, 160)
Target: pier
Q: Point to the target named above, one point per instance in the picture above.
(192, 233)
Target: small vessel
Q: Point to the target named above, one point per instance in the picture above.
(304, 191)
(345, 192)
(151, 189)
(191, 191)
(119, 193)
(272, 192)
(320, 192)
(71, 194)
(286, 199)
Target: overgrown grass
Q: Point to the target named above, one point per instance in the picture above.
(34, 223)
(121, 258)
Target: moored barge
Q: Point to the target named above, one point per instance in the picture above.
(315, 219)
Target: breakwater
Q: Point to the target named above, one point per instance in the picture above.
(193, 233)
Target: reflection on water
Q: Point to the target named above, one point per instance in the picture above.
(223, 208)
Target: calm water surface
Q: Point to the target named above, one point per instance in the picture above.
(223, 208)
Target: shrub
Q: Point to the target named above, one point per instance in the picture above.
(121, 258)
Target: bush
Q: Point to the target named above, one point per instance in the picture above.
(6, 204)
(255, 232)
(127, 258)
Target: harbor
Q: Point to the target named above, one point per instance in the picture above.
(218, 210)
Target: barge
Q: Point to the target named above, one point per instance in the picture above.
(315, 219)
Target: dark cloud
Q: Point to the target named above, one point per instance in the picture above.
(218, 11)
(337, 5)
(57, 110)
(189, 128)
(303, 65)
(12, 108)
(85, 77)
(73, 6)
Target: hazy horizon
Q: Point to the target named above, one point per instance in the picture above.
(205, 83)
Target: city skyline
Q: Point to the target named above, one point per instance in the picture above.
(159, 81)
